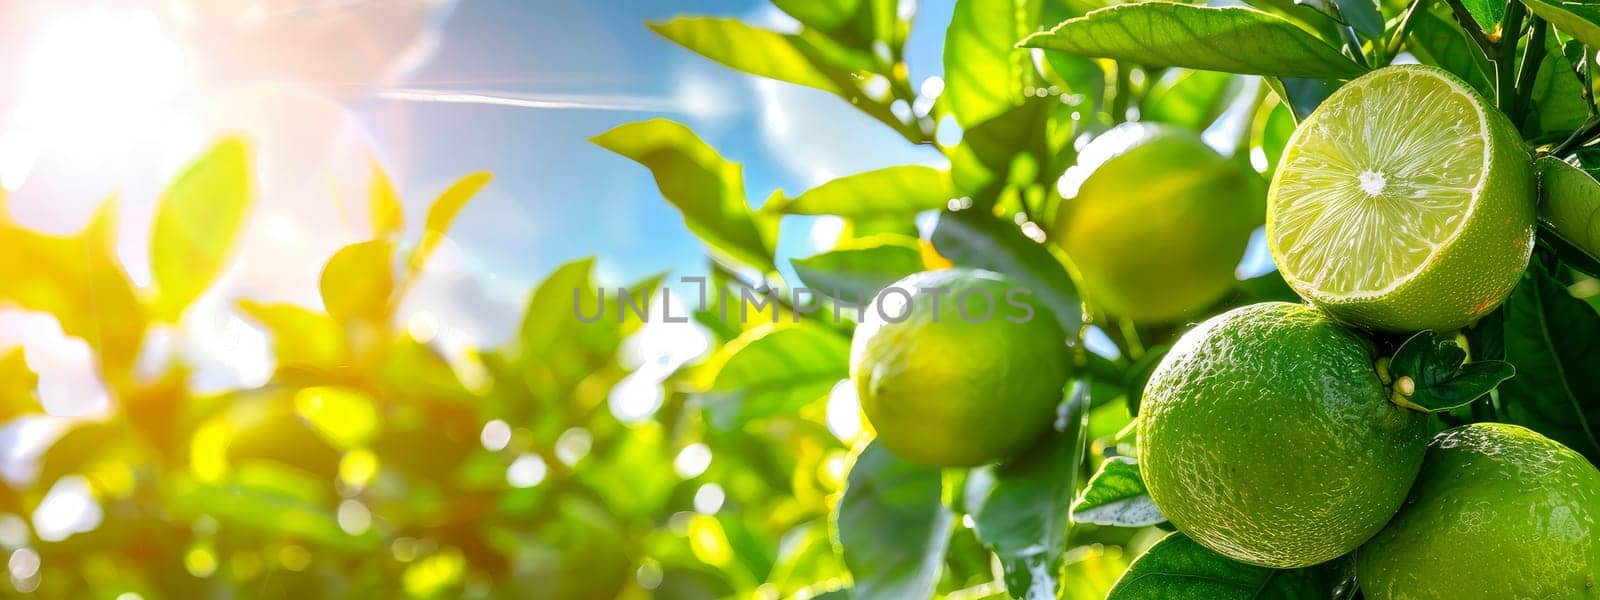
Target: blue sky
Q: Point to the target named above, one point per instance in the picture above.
(557, 197)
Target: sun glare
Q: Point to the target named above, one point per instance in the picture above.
(98, 70)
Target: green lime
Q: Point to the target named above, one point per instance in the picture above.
(1266, 436)
(1158, 223)
(958, 367)
(1498, 511)
(1403, 203)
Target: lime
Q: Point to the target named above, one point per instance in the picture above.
(1158, 223)
(958, 367)
(1498, 511)
(1569, 200)
(1403, 203)
(1266, 436)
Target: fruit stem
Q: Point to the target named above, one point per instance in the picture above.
(1354, 44)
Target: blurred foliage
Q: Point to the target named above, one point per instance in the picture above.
(569, 464)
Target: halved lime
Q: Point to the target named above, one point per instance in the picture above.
(1404, 202)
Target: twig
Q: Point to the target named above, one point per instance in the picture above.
(1505, 64)
(1392, 48)
(1470, 25)
(1581, 136)
(1354, 44)
(1532, 57)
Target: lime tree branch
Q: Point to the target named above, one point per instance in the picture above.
(1470, 25)
(1392, 48)
(1532, 57)
(1505, 62)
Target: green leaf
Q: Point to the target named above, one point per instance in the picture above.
(1189, 99)
(1486, 12)
(1178, 568)
(1439, 379)
(904, 190)
(989, 152)
(1360, 15)
(1116, 497)
(892, 526)
(196, 223)
(1230, 39)
(384, 207)
(825, 15)
(1569, 203)
(1437, 39)
(1138, 374)
(749, 49)
(1580, 20)
(443, 213)
(1025, 517)
(857, 271)
(268, 501)
(984, 72)
(358, 282)
(1550, 338)
(1568, 251)
(18, 387)
(774, 370)
(707, 189)
(1557, 102)
(1302, 95)
(972, 239)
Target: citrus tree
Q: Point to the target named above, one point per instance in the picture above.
(1140, 423)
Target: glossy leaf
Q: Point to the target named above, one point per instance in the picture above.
(1024, 519)
(984, 72)
(1580, 20)
(1230, 39)
(1569, 203)
(1361, 15)
(1549, 337)
(443, 213)
(1557, 102)
(1178, 568)
(857, 271)
(1302, 95)
(774, 370)
(707, 189)
(1116, 497)
(981, 241)
(197, 221)
(892, 526)
(903, 190)
(759, 52)
(1440, 379)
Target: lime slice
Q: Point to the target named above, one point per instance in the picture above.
(1403, 203)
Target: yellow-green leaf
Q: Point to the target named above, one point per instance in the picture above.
(749, 49)
(79, 281)
(443, 213)
(706, 188)
(199, 218)
(904, 190)
(383, 203)
(18, 385)
(984, 72)
(301, 338)
(358, 281)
